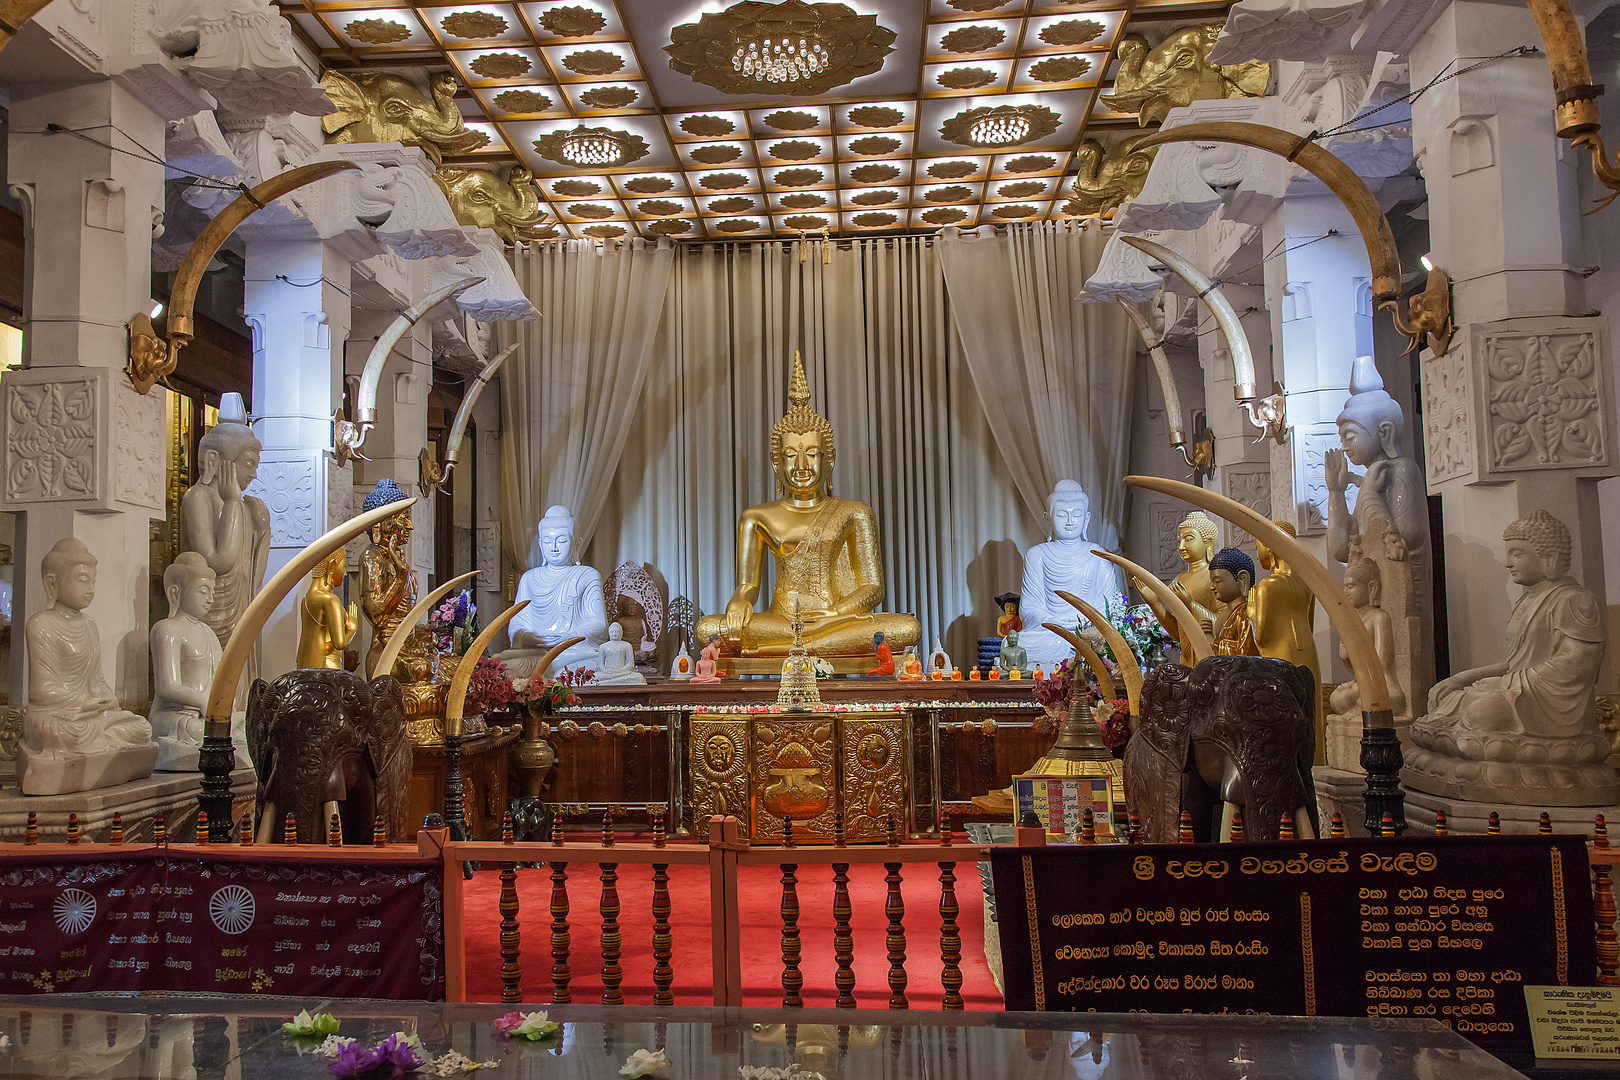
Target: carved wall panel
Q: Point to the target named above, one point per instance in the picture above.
(717, 765)
(795, 770)
(874, 760)
(53, 443)
(1249, 484)
(1308, 447)
(1166, 561)
(138, 475)
(1447, 420)
(287, 482)
(1546, 399)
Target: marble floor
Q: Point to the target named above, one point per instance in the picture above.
(242, 1039)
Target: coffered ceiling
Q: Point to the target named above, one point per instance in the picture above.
(884, 151)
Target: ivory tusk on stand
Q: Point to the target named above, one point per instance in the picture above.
(1201, 645)
(1237, 342)
(1129, 669)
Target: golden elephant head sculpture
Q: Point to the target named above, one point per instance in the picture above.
(377, 106)
(1152, 80)
(510, 207)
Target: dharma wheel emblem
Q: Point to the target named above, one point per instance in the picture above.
(75, 911)
(232, 909)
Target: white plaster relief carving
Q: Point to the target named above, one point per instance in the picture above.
(1251, 486)
(1308, 447)
(1545, 401)
(1123, 273)
(51, 440)
(409, 213)
(497, 298)
(1471, 146)
(241, 52)
(1173, 197)
(287, 487)
(1164, 517)
(1446, 412)
(421, 531)
(138, 466)
(195, 144)
(1283, 30)
(488, 565)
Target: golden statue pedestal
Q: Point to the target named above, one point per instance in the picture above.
(764, 768)
(733, 666)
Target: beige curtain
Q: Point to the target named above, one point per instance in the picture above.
(884, 365)
(1054, 375)
(571, 395)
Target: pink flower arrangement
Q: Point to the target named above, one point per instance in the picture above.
(1115, 725)
(489, 688)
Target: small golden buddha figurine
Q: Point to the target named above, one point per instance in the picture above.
(387, 594)
(1282, 610)
(325, 626)
(1196, 537)
(1231, 572)
(825, 550)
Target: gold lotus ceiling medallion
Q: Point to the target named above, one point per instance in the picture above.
(591, 147)
(376, 31)
(1000, 125)
(473, 25)
(790, 47)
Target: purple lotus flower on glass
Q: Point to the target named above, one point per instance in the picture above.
(357, 1060)
(400, 1055)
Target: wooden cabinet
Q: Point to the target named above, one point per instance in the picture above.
(483, 777)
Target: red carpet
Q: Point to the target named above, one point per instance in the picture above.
(759, 910)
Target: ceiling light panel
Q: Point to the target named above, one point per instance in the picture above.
(873, 220)
(800, 177)
(803, 202)
(980, 39)
(592, 61)
(1022, 189)
(573, 20)
(731, 204)
(686, 127)
(873, 198)
(477, 25)
(1006, 213)
(874, 173)
(725, 181)
(526, 101)
(972, 9)
(810, 221)
(724, 152)
(588, 210)
(1093, 31)
(966, 77)
(493, 67)
(877, 116)
(794, 149)
(608, 98)
(380, 28)
(661, 206)
(1067, 72)
(641, 185)
(791, 122)
(1028, 163)
(872, 145)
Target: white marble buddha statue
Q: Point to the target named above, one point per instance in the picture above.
(1064, 562)
(565, 600)
(185, 653)
(75, 737)
(616, 661)
(1364, 589)
(1525, 731)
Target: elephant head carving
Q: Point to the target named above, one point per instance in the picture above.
(320, 736)
(1156, 755)
(376, 106)
(510, 207)
(1152, 80)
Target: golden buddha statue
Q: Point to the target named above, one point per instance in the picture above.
(826, 554)
(1195, 543)
(1231, 573)
(325, 626)
(1283, 609)
(387, 595)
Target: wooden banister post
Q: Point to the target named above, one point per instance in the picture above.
(436, 840)
(724, 841)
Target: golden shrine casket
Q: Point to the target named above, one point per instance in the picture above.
(765, 768)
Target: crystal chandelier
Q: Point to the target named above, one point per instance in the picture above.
(592, 149)
(780, 61)
(1000, 127)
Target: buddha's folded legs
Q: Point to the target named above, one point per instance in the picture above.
(769, 634)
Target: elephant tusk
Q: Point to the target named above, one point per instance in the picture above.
(453, 446)
(1190, 626)
(13, 13)
(458, 685)
(554, 652)
(1339, 177)
(1237, 342)
(365, 396)
(1167, 381)
(1357, 641)
(222, 695)
(391, 648)
(1129, 669)
(1086, 653)
(1576, 112)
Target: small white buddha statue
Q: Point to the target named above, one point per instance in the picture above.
(1525, 731)
(185, 652)
(616, 661)
(565, 600)
(1064, 562)
(75, 737)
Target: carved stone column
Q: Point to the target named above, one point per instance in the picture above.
(1519, 414)
(83, 453)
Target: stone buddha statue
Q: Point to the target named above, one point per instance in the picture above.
(1064, 562)
(1282, 610)
(325, 626)
(616, 661)
(1013, 657)
(825, 551)
(1196, 537)
(185, 654)
(1364, 588)
(1525, 731)
(1231, 573)
(565, 600)
(74, 737)
(231, 531)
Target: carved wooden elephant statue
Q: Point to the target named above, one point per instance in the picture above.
(318, 737)
(1233, 731)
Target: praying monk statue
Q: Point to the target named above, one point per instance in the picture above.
(825, 550)
(75, 737)
(1525, 731)
(230, 530)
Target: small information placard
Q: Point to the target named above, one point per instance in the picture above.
(1058, 801)
(1574, 1021)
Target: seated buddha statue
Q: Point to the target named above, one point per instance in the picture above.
(1231, 572)
(565, 601)
(1525, 731)
(1195, 543)
(1065, 563)
(825, 552)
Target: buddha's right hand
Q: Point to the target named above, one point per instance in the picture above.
(738, 612)
(1335, 471)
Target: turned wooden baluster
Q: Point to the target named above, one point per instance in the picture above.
(1088, 827)
(1603, 910)
(1493, 824)
(1336, 826)
(612, 940)
(663, 974)
(561, 976)
(895, 908)
(511, 940)
(950, 936)
(843, 937)
(792, 979)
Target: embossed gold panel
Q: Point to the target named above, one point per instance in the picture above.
(875, 760)
(717, 765)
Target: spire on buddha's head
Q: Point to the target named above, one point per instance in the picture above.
(801, 418)
(1369, 406)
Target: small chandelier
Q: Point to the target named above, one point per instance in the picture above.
(1000, 127)
(780, 61)
(592, 149)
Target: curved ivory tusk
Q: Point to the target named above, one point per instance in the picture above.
(1194, 631)
(1161, 364)
(391, 648)
(468, 400)
(365, 396)
(1237, 342)
(1576, 111)
(1339, 177)
(222, 695)
(183, 297)
(1357, 641)
(458, 685)
(1086, 653)
(1129, 669)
